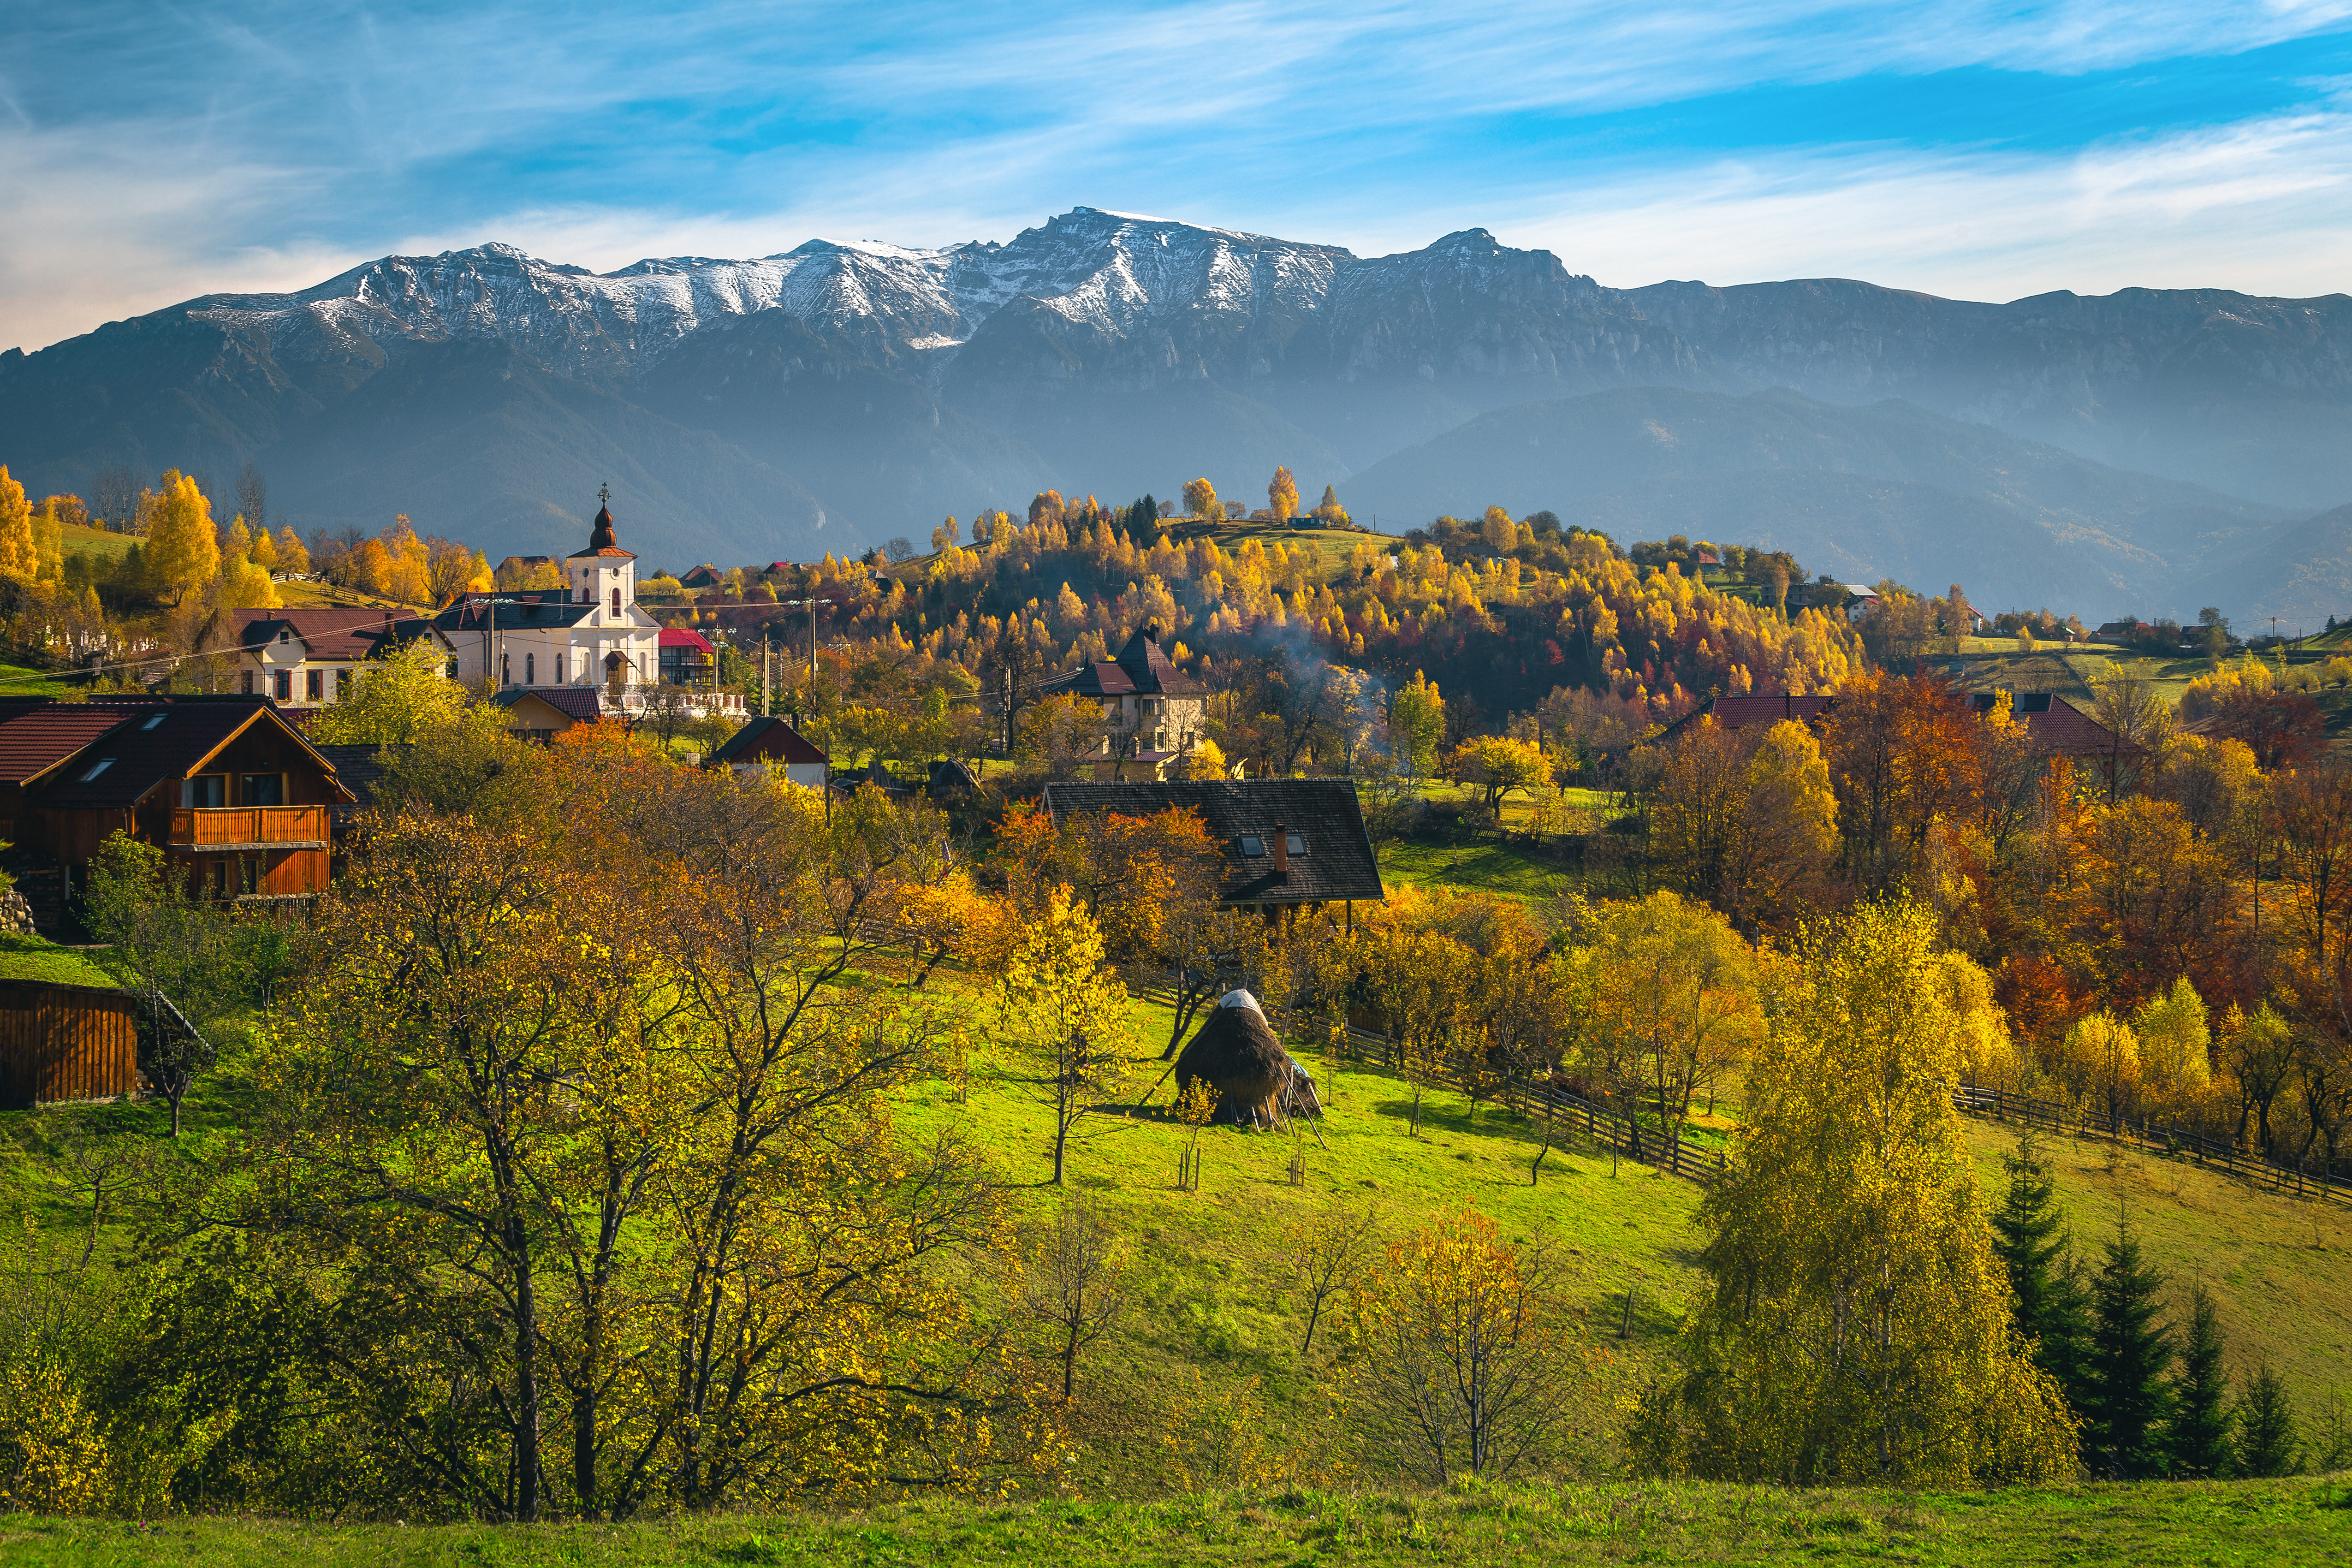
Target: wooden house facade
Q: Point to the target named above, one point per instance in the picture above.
(226, 786)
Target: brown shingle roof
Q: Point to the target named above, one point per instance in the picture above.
(2057, 726)
(1140, 667)
(767, 739)
(35, 740)
(164, 738)
(1336, 863)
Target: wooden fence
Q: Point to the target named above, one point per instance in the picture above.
(2165, 1137)
(66, 1042)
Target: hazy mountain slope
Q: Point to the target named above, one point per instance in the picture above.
(877, 445)
(486, 446)
(2300, 573)
(1890, 488)
(2248, 394)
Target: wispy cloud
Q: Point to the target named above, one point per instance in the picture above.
(156, 153)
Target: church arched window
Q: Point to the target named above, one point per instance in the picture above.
(530, 670)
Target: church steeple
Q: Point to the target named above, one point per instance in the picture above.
(600, 538)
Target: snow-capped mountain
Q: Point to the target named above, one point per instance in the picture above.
(843, 391)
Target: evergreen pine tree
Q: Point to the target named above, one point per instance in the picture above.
(2268, 1443)
(2131, 1350)
(2045, 1284)
(2197, 1439)
(2025, 1235)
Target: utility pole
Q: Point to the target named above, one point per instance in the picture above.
(767, 668)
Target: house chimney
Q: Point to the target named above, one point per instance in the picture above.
(1281, 854)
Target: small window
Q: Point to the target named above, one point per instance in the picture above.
(210, 790)
(314, 684)
(559, 669)
(1253, 845)
(617, 601)
(249, 875)
(285, 685)
(262, 789)
(530, 670)
(343, 682)
(248, 683)
(156, 722)
(1294, 843)
(96, 768)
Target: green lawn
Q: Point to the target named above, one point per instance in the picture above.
(1213, 1296)
(2262, 1524)
(2280, 1268)
(30, 958)
(18, 680)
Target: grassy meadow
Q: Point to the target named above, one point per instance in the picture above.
(2256, 1523)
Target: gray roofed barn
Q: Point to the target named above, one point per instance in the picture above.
(1286, 841)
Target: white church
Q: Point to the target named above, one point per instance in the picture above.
(592, 633)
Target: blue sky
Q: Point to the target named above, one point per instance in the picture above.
(153, 150)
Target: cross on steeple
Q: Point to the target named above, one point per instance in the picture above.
(605, 495)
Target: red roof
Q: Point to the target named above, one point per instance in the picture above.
(2057, 725)
(37, 740)
(678, 636)
(1767, 708)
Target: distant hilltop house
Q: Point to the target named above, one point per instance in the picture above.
(1153, 710)
(306, 658)
(703, 576)
(226, 786)
(1289, 842)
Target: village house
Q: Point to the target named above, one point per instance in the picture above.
(1289, 842)
(1152, 711)
(226, 786)
(768, 744)
(2054, 726)
(305, 658)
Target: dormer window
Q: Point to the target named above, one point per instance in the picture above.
(1252, 844)
(1294, 843)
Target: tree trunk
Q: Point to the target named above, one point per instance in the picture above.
(526, 1318)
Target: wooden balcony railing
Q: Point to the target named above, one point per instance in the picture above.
(228, 828)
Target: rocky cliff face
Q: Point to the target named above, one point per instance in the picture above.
(882, 387)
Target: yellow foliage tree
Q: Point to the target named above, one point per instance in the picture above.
(49, 536)
(1282, 496)
(1857, 1325)
(2100, 1065)
(1205, 761)
(182, 546)
(1063, 1014)
(53, 1458)
(2175, 1040)
(19, 555)
(247, 586)
(291, 555)
(1201, 500)
(1416, 724)
(263, 551)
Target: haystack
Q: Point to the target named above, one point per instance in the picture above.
(1236, 1055)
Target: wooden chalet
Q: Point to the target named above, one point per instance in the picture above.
(225, 785)
(1289, 842)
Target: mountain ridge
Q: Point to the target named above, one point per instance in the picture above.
(891, 386)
